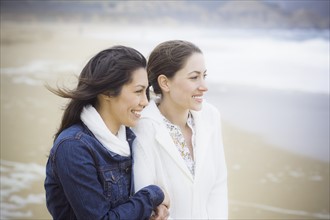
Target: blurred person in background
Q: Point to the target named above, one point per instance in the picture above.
(89, 170)
(179, 143)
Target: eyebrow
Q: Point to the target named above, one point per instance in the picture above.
(198, 72)
(143, 86)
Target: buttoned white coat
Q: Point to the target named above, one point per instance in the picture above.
(157, 161)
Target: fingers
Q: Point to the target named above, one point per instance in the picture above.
(166, 200)
(152, 217)
(161, 213)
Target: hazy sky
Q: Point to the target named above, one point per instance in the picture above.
(319, 6)
(295, 13)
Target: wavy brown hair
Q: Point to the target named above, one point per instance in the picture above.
(167, 58)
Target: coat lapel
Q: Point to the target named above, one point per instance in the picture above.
(201, 141)
(165, 140)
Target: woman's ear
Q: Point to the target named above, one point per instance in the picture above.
(163, 83)
(103, 97)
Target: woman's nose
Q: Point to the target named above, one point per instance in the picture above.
(203, 86)
(144, 100)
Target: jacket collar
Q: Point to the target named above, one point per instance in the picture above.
(165, 140)
(152, 112)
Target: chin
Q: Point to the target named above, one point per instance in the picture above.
(131, 124)
(197, 107)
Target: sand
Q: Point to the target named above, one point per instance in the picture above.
(265, 181)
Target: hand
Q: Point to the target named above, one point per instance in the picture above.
(166, 201)
(160, 213)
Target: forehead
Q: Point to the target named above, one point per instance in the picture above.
(139, 77)
(195, 62)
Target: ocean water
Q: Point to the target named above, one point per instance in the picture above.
(294, 121)
(279, 59)
(16, 194)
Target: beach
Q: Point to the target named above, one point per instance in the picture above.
(276, 142)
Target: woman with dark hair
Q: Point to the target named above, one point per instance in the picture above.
(179, 138)
(89, 170)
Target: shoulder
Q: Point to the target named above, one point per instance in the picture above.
(210, 108)
(76, 131)
(146, 127)
(209, 112)
(150, 119)
(151, 111)
(75, 137)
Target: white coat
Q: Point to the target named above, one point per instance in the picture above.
(157, 161)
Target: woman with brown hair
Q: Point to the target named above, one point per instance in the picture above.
(179, 138)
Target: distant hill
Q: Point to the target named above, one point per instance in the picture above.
(260, 14)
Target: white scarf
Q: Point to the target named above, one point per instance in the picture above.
(117, 144)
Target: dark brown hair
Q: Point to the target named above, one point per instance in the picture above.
(167, 58)
(106, 72)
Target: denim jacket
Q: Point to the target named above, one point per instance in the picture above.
(84, 180)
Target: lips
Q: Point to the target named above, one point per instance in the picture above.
(198, 98)
(137, 113)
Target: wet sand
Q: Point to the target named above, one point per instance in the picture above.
(265, 181)
(269, 183)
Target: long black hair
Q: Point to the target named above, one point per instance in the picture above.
(106, 72)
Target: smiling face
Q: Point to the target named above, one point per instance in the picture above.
(125, 109)
(187, 87)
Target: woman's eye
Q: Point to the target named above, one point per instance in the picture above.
(194, 77)
(139, 91)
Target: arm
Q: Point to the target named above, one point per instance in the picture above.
(144, 174)
(218, 199)
(145, 165)
(77, 172)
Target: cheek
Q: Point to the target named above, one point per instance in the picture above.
(123, 107)
(180, 91)
(181, 96)
(186, 90)
(181, 87)
(132, 102)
